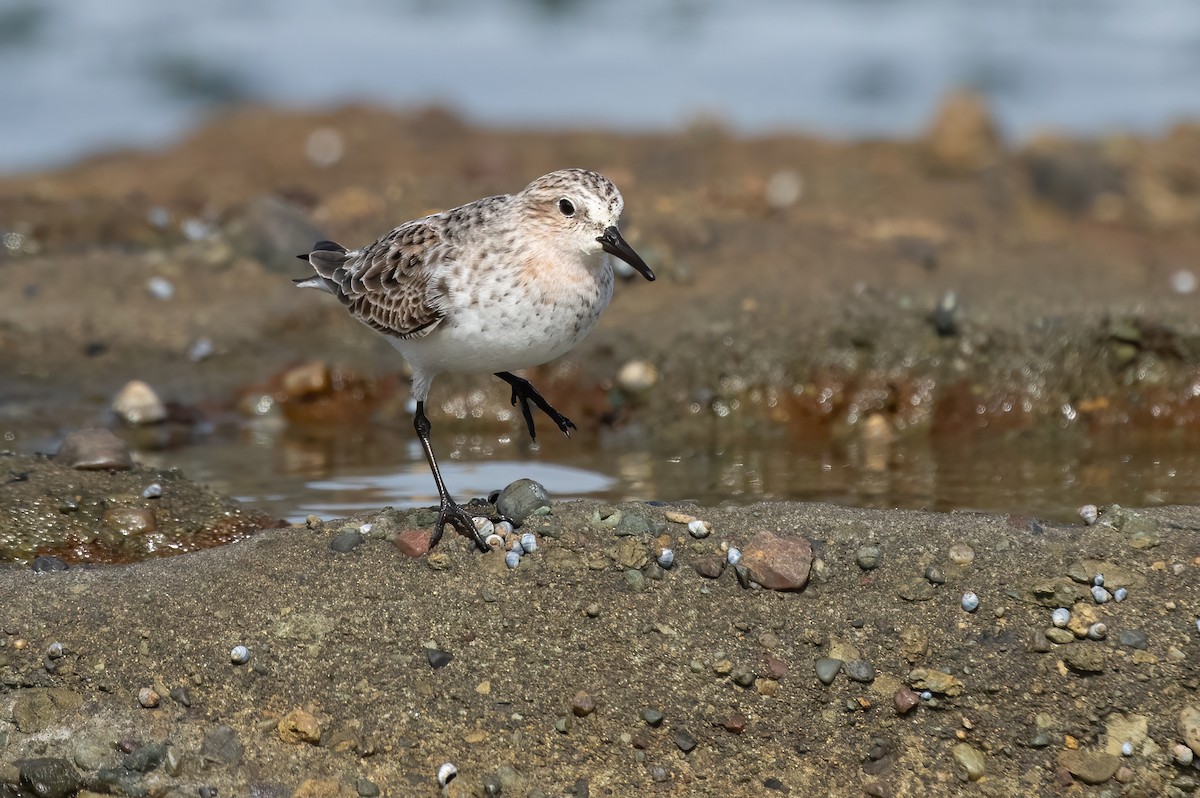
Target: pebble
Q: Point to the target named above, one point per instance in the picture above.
(160, 288)
(1133, 638)
(971, 760)
(1126, 748)
(522, 499)
(347, 541)
(777, 562)
(298, 727)
(827, 669)
(1101, 595)
(512, 558)
(784, 188)
(202, 349)
(1189, 726)
(1182, 755)
(637, 376)
(152, 491)
(860, 670)
(905, 699)
(44, 563)
(1098, 580)
(446, 773)
(1085, 659)
(961, 554)
(709, 567)
(1090, 767)
(1060, 636)
(699, 529)
(437, 658)
(1183, 281)
(137, 404)
(652, 717)
(582, 704)
(970, 602)
(91, 753)
(54, 650)
(239, 655)
(935, 576)
(366, 788)
(733, 556)
(146, 758)
(94, 450)
(47, 777)
(1061, 617)
(222, 745)
(683, 740)
(1089, 513)
(868, 557)
(148, 697)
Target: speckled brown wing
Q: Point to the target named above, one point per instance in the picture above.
(387, 284)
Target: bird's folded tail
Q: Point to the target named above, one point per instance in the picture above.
(326, 257)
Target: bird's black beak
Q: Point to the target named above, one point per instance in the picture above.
(612, 243)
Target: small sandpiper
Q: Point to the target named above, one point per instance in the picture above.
(497, 285)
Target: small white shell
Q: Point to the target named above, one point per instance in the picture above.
(54, 650)
(733, 556)
(446, 773)
(148, 697)
(512, 559)
(152, 491)
(1097, 631)
(503, 527)
(666, 558)
(970, 602)
(699, 529)
(529, 542)
(494, 540)
(1127, 748)
(1061, 617)
(239, 655)
(1089, 513)
(1120, 594)
(1098, 580)
(483, 525)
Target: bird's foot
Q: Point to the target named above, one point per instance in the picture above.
(454, 515)
(524, 392)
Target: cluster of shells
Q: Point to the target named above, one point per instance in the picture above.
(502, 536)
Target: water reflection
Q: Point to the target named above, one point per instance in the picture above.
(1047, 474)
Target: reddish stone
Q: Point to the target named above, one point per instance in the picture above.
(583, 704)
(905, 699)
(709, 567)
(777, 562)
(775, 667)
(735, 723)
(413, 542)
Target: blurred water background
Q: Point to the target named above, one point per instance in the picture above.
(80, 76)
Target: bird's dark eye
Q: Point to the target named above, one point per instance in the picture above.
(565, 207)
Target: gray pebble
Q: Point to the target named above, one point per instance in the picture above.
(1100, 595)
(221, 745)
(935, 575)
(827, 669)
(45, 563)
(868, 557)
(347, 541)
(743, 677)
(92, 754)
(94, 450)
(146, 758)
(438, 658)
(1120, 594)
(653, 717)
(684, 740)
(366, 788)
(635, 579)
(1133, 638)
(860, 670)
(522, 499)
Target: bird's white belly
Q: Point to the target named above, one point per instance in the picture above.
(496, 333)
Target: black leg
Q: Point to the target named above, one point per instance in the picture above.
(524, 392)
(449, 511)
